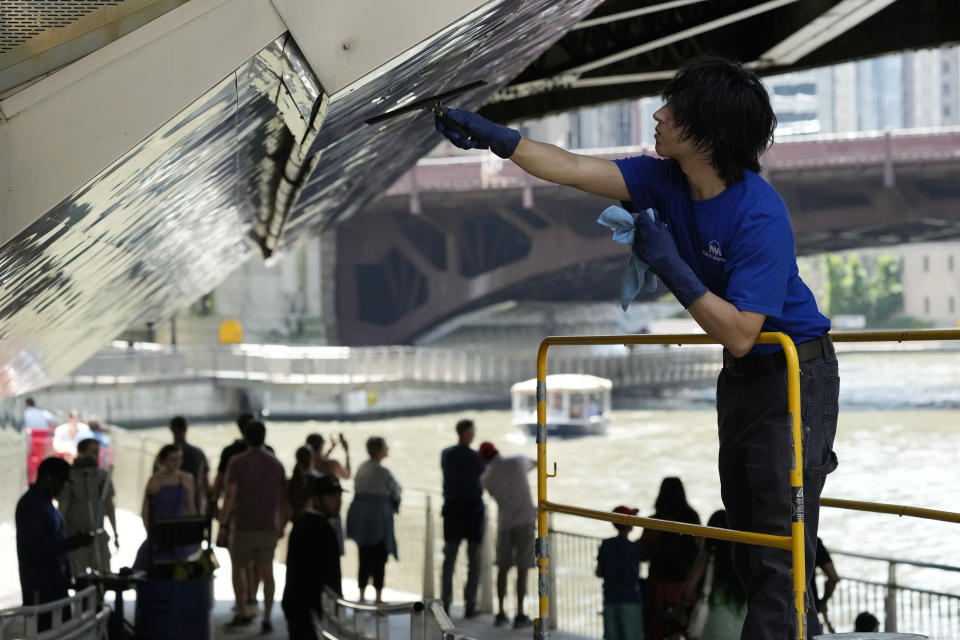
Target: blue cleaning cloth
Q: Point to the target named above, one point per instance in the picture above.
(637, 276)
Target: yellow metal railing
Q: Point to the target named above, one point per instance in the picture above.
(793, 542)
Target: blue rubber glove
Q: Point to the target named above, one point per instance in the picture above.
(637, 276)
(653, 244)
(484, 134)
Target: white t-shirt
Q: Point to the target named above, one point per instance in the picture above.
(506, 480)
(63, 442)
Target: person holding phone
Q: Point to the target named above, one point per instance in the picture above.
(323, 463)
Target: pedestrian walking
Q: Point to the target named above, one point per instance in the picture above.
(256, 501)
(313, 560)
(84, 503)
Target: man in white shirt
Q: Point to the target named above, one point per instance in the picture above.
(68, 435)
(506, 480)
(34, 418)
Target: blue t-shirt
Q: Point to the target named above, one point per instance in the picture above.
(739, 243)
(619, 561)
(461, 467)
(42, 547)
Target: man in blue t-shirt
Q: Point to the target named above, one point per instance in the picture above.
(723, 244)
(463, 513)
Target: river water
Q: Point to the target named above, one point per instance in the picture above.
(898, 441)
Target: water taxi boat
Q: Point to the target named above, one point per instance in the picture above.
(577, 404)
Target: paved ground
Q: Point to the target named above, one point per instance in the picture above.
(132, 534)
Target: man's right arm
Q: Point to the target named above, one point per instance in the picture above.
(545, 161)
(37, 539)
(586, 173)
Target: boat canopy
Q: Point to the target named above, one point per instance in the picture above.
(564, 382)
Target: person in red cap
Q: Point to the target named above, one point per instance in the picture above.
(618, 565)
(506, 480)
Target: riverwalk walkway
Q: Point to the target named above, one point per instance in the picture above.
(132, 534)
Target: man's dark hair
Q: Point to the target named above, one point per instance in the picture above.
(30, 402)
(243, 420)
(256, 433)
(866, 621)
(375, 445)
(463, 426)
(315, 441)
(725, 111)
(54, 468)
(178, 423)
(84, 445)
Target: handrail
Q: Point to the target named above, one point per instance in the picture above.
(896, 336)
(629, 520)
(794, 542)
(796, 472)
(427, 619)
(910, 563)
(84, 616)
(381, 609)
(30, 609)
(730, 535)
(895, 509)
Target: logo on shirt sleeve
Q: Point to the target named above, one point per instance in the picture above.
(713, 251)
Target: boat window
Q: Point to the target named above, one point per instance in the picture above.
(576, 405)
(556, 401)
(596, 404)
(530, 403)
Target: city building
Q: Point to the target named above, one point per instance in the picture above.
(931, 282)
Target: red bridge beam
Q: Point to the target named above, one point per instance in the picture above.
(477, 172)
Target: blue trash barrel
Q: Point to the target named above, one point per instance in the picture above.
(175, 609)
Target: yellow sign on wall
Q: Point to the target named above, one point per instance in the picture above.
(231, 332)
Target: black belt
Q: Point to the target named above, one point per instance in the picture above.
(777, 361)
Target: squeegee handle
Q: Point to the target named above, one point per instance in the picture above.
(450, 123)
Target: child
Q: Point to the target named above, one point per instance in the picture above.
(618, 564)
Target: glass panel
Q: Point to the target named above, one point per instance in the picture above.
(576, 405)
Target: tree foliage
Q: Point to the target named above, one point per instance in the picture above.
(850, 289)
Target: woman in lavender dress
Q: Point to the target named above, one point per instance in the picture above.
(169, 494)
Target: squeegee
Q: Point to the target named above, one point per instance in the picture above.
(433, 104)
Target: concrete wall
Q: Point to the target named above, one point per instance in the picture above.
(153, 403)
(149, 403)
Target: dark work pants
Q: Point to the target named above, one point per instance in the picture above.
(373, 561)
(300, 624)
(450, 550)
(755, 461)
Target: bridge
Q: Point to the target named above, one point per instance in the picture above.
(455, 234)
